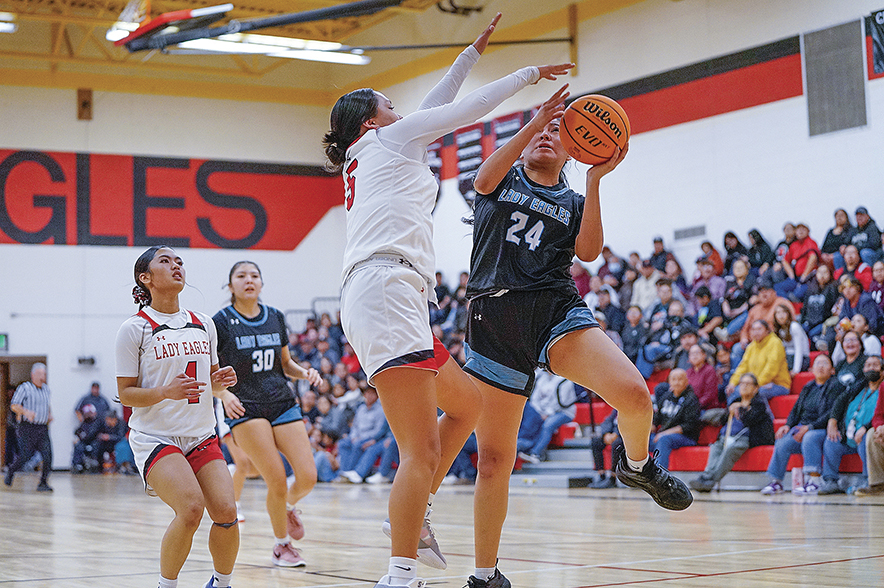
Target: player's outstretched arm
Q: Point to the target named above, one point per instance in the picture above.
(494, 169)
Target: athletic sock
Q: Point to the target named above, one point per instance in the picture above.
(402, 570)
(484, 574)
(222, 580)
(430, 500)
(284, 540)
(636, 466)
(167, 583)
(290, 506)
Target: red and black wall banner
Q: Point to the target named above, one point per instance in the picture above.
(875, 44)
(123, 200)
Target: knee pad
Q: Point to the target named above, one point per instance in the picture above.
(226, 525)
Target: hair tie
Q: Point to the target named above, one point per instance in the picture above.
(140, 295)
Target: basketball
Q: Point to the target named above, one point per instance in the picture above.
(593, 126)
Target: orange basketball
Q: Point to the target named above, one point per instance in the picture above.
(592, 127)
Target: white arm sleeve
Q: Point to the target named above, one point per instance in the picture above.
(411, 135)
(448, 87)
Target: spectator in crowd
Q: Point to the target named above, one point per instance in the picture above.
(706, 278)
(369, 426)
(644, 288)
(676, 418)
(876, 287)
(612, 270)
(550, 406)
(85, 457)
(849, 370)
(324, 351)
(334, 330)
(704, 380)
(390, 458)
(853, 265)
(822, 293)
(712, 254)
(592, 297)
(794, 338)
(615, 315)
(634, 333)
(581, 277)
(366, 462)
(306, 351)
(709, 315)
(782, 247)
(800, 262)
(810, 413)
(94, 397)
(111, 433)
(867, 237)
(734, 250)
(443, 295)
(762, 310)
(689, 338)
(749, 424)
(766, 358)
(855, 300)
(838, 237)
(875, 453)
(611, 333)
(871, 344)
(660, 255)
(326, 456)
(675, 274)
(608, 434)
(850, 420)
(723, 368)
(31, 403)
(663, 338)
(760, 256)
(349, 359)
(739, 289)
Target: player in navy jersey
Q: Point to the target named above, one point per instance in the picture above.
(164, 354)
(262, 410)
(525, 312)
(389, 264)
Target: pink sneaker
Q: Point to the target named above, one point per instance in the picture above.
(294, 525)
(287, 556)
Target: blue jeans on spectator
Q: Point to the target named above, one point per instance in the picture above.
(770, 390)
(736, 324)
(737, 353)
(368, 458)
(833, 451)
(667, 444)
(349, 452)
(812, 450)
(786, 447)
(650, 353)
(870, 256)
(324, 470)
(536, 432)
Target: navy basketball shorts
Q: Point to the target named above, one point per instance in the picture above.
(509, 336)
(278, 413)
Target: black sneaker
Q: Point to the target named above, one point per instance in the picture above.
(498, 580)
(666, 490)
(44, 487)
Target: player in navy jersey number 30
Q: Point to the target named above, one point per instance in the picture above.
(165, 356)
(525, 312)
(262, 410)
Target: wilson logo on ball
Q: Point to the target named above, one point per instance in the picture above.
(593, 127)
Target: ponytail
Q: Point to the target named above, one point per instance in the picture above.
(347, 116)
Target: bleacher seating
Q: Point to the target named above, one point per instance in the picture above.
(693, 459)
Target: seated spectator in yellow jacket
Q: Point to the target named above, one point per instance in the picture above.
(766, 358)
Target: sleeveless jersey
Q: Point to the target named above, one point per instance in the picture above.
(524, 236)
(154, 348)
(389, 203)
(252, 346)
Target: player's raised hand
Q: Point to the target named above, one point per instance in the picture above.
(482, 41)
(551, 72)
(183, 387)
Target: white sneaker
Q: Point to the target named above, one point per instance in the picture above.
(378, 478)
(449, 480)
(810, 487)
(352, 476)
(529, 457)
(428, 552)
(385, 582)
